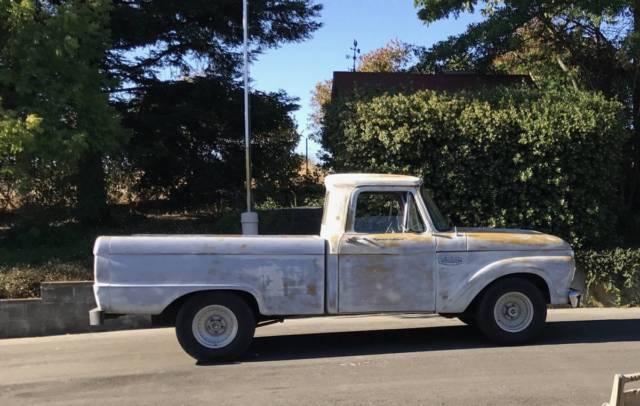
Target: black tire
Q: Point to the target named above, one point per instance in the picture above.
(467, 319)
(486, 320)
(246, 324)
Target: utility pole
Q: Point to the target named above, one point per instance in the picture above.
(248, 219)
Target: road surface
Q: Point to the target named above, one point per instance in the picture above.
(374, 360)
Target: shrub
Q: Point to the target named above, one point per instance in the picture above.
(24, 281)
(504, 157)
(612, 277)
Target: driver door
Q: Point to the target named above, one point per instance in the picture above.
(386, 260)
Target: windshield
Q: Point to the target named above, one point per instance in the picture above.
(440, 222)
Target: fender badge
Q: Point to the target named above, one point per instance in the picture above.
(451, 260)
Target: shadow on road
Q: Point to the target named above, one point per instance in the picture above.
(322, 345)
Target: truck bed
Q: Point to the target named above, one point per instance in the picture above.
(145, 273)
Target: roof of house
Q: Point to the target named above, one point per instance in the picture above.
(370, 179)
(346, 82)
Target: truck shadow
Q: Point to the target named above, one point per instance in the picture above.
(339, 344)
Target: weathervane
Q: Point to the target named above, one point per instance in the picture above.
(356, 52)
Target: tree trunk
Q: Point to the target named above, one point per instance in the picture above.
(92, 194)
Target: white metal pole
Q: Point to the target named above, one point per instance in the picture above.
(246, 104)
(248, 219)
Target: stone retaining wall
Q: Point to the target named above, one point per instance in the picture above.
(63, 307)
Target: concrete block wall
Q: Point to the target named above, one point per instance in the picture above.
(63, 307)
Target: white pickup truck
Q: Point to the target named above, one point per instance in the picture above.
(383, 247)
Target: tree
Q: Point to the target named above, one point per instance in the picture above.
(590, 45)
(71, 70)
(180, 64)
(56, 122)
(392, 57)
(151, 37)
(538, 59)
(188, 142)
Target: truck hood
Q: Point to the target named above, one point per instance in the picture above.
(504, 239)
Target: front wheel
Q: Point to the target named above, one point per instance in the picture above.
(215, 326)
(512, 311)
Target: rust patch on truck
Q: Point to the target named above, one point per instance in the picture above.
(515, 240)
(311, 289)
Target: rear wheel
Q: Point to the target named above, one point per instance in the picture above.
(215, 326)
(512, 311)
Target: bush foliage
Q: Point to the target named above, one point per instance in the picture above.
(612, 277)
(503, 157)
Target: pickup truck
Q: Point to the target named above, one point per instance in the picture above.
(383, 247)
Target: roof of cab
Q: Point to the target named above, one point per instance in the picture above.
(371, 179)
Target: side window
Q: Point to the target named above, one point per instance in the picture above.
(414, 219)
(387, 212)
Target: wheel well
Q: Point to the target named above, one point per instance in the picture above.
(536, 280)
(168, 316)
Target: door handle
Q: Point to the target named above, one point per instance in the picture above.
(358, 240)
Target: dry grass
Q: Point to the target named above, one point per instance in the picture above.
(24, 281)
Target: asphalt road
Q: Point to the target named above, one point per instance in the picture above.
(374, 360)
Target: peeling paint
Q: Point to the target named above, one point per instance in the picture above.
(505, 239)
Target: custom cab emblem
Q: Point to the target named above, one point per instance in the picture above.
(451, 260)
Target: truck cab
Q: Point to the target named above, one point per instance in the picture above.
(380, 244)
(392, 250)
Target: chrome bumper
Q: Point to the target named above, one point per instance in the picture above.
(575, 297)
(96, 317)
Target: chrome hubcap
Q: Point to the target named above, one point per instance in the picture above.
(214, 326)
(513, 312)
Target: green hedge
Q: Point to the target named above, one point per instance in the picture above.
(612, 277)
(506, 157)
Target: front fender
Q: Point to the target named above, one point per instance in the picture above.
(556, 271)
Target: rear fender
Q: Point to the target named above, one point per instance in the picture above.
(153, 300)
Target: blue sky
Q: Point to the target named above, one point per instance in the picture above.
(297, 67)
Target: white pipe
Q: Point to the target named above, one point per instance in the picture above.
(248, 219)
(247, 144)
